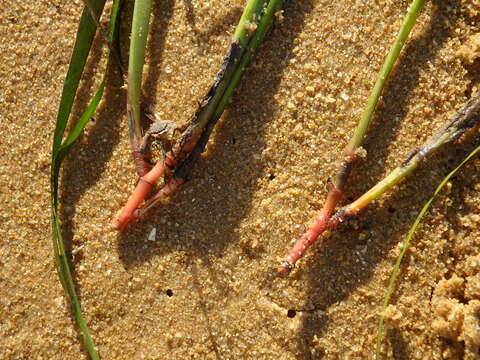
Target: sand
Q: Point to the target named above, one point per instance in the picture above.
(205, 287)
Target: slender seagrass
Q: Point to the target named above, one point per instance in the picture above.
(336, 190)
(465, 119)
(405, 244)
(254, 23)
(61, 147)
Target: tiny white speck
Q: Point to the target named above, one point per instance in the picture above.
(76, 250)
(345, 97)
(152, 234)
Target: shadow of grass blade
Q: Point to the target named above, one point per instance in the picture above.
(84, 38)
(405, 244)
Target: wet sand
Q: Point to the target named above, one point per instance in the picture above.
(205, 287)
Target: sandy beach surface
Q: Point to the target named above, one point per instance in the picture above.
(205, 286)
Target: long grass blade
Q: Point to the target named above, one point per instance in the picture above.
(138, 41)
(60, 149)
(85, 33)
(405, 245)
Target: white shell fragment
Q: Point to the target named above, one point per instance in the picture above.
(152, 234)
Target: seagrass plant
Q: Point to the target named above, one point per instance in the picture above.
(336, 189)
(172, 170)
(257, 18)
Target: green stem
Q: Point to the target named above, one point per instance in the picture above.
(66, 279)
(464, 120)
(251, 15)
(408, 22)
(85, 33)
(241, 44)
(86, 30)
(336, 190)
(264, 26)
(138, 42)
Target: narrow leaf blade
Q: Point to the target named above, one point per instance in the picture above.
(83, 43)
(406, 243)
